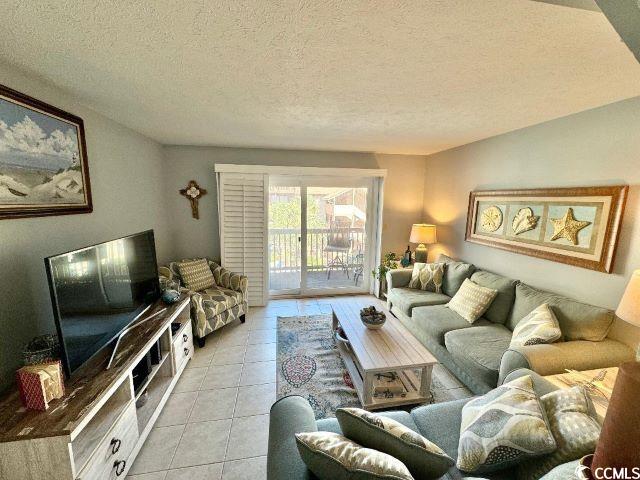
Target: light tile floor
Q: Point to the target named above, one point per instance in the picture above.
(215, 424)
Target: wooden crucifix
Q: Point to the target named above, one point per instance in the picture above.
(193, 192)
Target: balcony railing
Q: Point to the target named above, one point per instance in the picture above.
(324, 245)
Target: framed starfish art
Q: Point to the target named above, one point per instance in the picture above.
(577, 226)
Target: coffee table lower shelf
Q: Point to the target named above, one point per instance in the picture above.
(418, 386)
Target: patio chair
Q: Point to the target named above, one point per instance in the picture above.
(358, 267)
(338, 244)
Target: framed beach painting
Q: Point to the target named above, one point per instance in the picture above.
(43, 159)
(578, 226)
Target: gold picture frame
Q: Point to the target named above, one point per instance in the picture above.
(577, 226)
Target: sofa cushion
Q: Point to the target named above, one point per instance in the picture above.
(454, 274)
(578, 321)
(500, 308)
(232, 293)
(334, 457)
(472, 300)
(406, 299)
(427, 276)
(331, 424)
(196, 274)
(219, 299)
(437, 320)
(479, 350)
(502, 428)
(424, 459)
(574, 425)
(540, 326)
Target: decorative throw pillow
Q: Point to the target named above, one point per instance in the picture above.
(540, 326)
(334, 457)
(427, 276)
(502, 428)
(472, 300)
(196, 275)
(424, 459)
(574, 425)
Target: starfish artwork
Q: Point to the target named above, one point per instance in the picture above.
(568, 227)
(193, 192)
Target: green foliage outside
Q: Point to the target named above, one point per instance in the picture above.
(288, 214)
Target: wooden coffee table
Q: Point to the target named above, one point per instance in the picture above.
(368, 353)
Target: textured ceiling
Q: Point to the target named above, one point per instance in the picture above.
(372, 75)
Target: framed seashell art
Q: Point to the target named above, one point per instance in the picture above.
(577, 226)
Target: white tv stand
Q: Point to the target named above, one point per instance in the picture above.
(95, 431)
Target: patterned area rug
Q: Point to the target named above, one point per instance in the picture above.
(309, 365)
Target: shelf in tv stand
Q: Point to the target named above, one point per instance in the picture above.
(71, 439)
(154, 370)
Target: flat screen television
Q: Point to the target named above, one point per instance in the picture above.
(98, 291)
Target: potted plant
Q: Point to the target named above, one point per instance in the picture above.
(390, 261)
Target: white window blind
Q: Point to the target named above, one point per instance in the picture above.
(243, 229)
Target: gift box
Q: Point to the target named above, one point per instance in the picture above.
(39, 384)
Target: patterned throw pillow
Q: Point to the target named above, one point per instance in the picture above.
(540, 326)
(427, 276)
(472, 300)
(574, 425)
(334, 457)
(502, 428)
(424, 459)
(196, 275)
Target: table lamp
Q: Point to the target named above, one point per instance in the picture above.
(629, 307)
(422, 233)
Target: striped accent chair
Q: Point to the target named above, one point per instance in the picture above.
(213, 307)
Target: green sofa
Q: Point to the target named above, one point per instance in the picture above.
(439, 423)
(479, 353)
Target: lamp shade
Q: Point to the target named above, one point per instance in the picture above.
(423, 233)
(629, 308)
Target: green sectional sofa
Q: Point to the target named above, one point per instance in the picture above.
(440, 423)
(479, 353)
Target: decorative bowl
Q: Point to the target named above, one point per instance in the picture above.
(170, 296)
(372, 318)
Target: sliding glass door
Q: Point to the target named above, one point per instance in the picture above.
(285, 237)
(320, 233)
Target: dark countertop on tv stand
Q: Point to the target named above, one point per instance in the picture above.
(86, 388)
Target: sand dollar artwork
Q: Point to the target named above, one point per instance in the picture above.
(524, 221)
(491, 219)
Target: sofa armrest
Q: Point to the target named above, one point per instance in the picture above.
(398, 278)
(228, 279)
(198, 314)
(288, 416)
(165, 272)
(554, 358)
(541, 385)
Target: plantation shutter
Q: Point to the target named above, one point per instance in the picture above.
(243, 229)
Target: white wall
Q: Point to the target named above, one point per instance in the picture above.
(596, 147)
(403, 195)
(126, 183)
